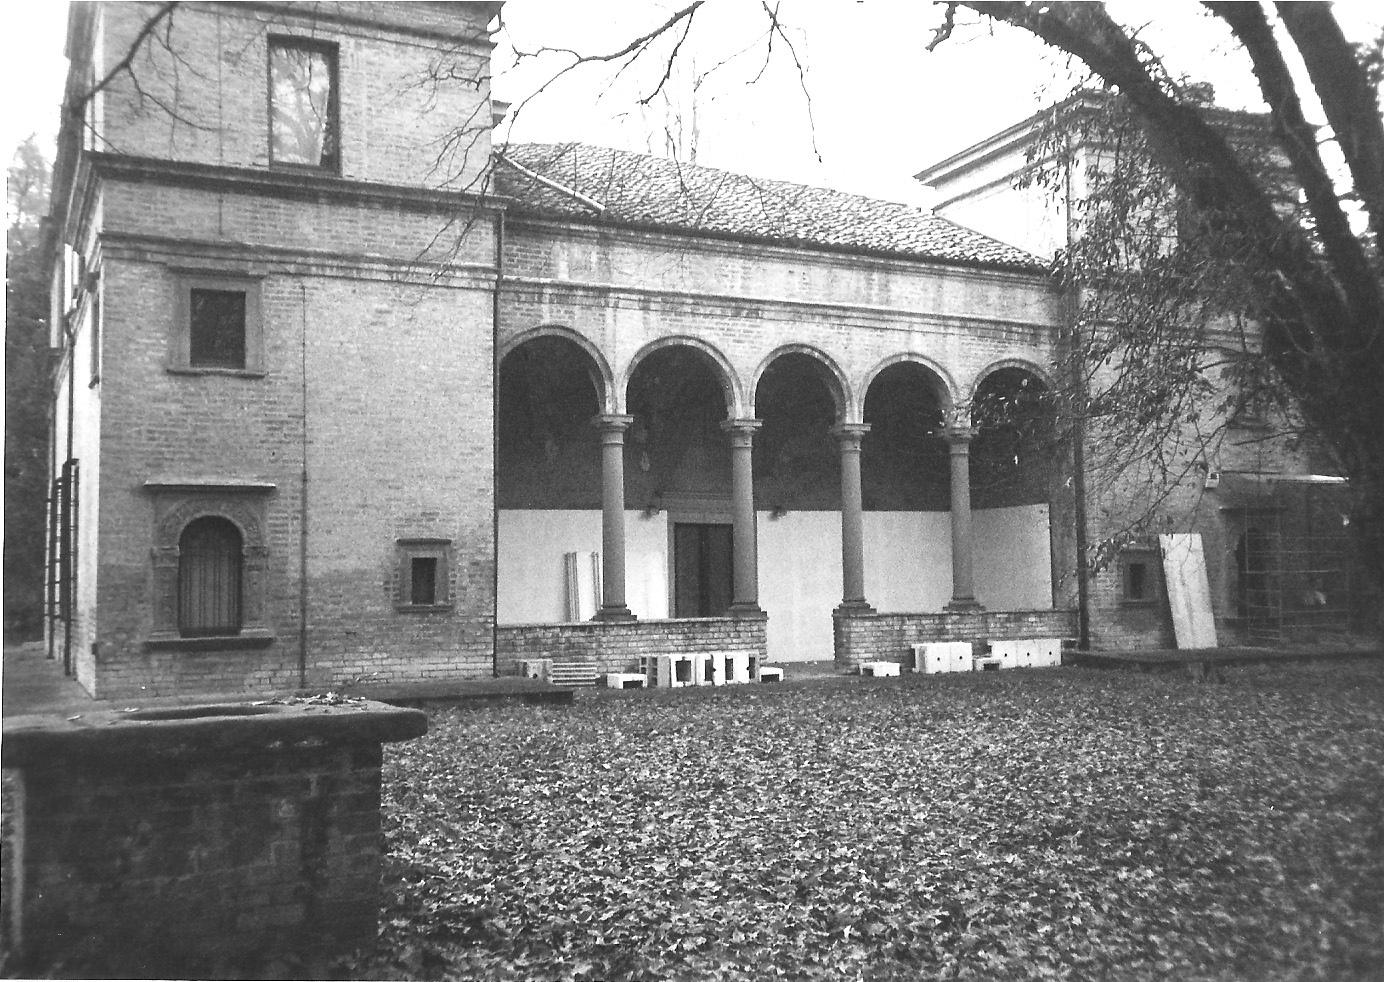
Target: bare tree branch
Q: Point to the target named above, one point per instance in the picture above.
(164, 13)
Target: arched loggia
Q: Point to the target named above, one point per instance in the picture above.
(796, 461)
(915, 461)
(688, 453)
(1014, 453)
(548, 472)
(547, 453)
(904, 454)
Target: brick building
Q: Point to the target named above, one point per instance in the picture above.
(1266, 503)
(346, 393)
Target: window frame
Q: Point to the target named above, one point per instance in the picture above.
(180, 339)
(178, 502)
(438, 550)
(1149, 558)
(332, 51)
(232, 598)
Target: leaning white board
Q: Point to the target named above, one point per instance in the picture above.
(1189, 593)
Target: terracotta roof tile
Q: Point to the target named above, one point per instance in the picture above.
(636, 190)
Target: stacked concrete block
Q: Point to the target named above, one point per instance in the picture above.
(935, 657)
(1047, 652)
(879, 669)
(1006, 652)
(676, 671)
(536, 668)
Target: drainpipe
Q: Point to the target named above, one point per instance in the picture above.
(495, 445)
(303, 500)
(1078, 381)
(70, 582)
(50, 569)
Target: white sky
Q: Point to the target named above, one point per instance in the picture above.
(882, 106)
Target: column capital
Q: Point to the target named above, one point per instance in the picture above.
(850, 434)
(611, 422)
(959, 437)
(741, 431)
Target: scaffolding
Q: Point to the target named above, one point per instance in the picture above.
(1296, 578)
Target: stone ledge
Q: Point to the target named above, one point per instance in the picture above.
(203, 729)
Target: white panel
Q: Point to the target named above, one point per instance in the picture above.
(646, 564)
(1189, 593)
(800, 582)
(907, 560)
(1013, 558)
(583, 585)
(907, 566)
(532, 580)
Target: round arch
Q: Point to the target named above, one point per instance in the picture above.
(837, 384)
(730, 382)
(944, 388)
(1005, 364)
(601, 375)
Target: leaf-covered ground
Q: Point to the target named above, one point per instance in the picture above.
(1059, 823)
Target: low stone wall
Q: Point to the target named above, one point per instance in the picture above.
(196, 841)
(617, 646)
(862, 637)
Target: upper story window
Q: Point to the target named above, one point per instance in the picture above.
(303, 104)
(217, 328)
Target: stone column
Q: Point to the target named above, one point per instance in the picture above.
(745, 599)
(852, 519)
(613, 606)
(959, 439)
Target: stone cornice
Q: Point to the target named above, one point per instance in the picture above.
(291, 184)
(261, 260)
(318, 14)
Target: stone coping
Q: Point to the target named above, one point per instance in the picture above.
(637, 622)
(204, 729)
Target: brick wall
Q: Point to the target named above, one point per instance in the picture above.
(197, 847)
(381, 373)
(618, 646)
(890, 637)
(394, 128)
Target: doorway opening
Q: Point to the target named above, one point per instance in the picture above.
(703, 571)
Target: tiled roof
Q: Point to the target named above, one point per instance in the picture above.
(630, 189)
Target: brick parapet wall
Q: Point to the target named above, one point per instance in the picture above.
(197, 847)
(617, 646)
(890, 637)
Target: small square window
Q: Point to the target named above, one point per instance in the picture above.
(424, 574)
(218, 326)
(302, 104)
(1139, 572)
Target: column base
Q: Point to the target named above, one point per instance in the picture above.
(615, 614)
(964, 605)
(849, 608)
(750, 611)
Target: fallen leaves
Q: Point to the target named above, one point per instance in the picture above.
(1056, 824)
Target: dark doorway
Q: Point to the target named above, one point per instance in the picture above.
(703, 572)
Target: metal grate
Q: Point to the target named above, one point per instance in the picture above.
(571, 674)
